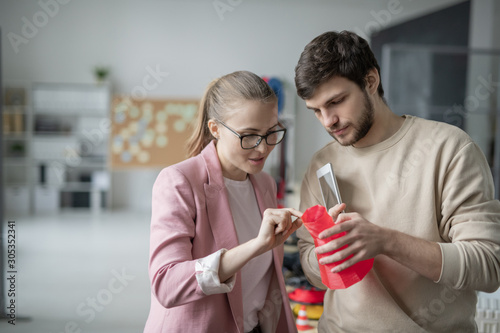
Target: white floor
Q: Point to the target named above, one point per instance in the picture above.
(85, 273)
(81, 272)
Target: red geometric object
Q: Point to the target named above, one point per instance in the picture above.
(316, 219)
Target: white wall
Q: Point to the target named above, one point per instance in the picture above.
(191, 41)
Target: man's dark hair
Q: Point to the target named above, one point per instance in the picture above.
(332, 53)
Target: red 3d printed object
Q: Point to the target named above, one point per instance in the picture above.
(316, 219)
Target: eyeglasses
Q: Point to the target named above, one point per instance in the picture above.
(251, 141)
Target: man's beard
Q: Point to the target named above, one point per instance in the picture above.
(362, 127)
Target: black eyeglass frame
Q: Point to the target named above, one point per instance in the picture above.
(260, 139)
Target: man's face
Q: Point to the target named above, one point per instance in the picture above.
(344, 110)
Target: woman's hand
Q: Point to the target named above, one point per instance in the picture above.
(277, 225)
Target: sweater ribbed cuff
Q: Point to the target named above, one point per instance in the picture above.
(450, 266)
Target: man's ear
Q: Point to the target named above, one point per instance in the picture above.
(213, 127)
(372, 81)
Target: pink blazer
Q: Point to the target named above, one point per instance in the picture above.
(191, 219)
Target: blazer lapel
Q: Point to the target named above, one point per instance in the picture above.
(220, 218)
(219, 212)
(264, 198)
(221, 223)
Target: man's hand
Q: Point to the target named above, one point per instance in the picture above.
(366, 240)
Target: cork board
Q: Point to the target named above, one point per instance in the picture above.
(149, 133)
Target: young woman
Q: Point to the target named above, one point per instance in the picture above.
(216, 237)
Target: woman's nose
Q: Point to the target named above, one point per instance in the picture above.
(262, 147)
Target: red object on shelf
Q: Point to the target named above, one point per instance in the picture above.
(316, 219)
(307, 296)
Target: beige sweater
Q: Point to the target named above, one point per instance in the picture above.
(428, 180)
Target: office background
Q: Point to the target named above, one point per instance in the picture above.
(171, 50)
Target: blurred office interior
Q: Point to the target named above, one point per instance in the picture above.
(71, 70)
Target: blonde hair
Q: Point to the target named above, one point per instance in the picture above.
(220, 97)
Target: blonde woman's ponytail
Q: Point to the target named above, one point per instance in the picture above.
(201, 136)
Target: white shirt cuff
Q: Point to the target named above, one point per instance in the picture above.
(207, 274)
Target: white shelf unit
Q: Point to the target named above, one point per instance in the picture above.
(69, 146)
(16, 137)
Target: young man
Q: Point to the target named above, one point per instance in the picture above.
(418, 197)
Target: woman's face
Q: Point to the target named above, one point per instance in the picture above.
(250, 117)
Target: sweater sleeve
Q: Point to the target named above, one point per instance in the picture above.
(470, 223)
(308, 258)
(172, 268)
